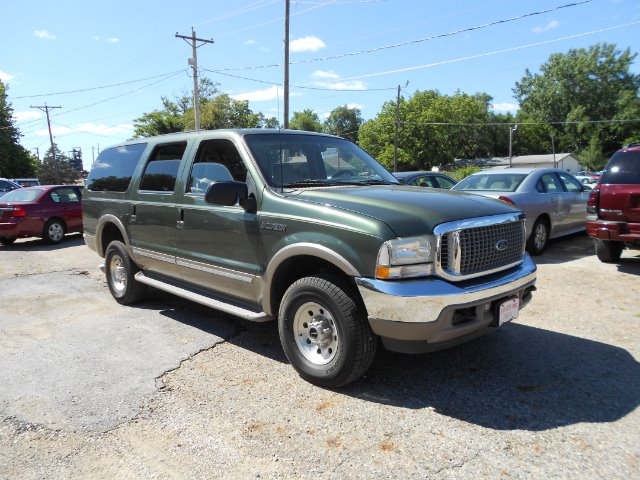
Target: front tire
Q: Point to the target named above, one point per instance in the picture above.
(53, 231)
(120, 271)
(324, 332)
(608, 251)
(539, 238)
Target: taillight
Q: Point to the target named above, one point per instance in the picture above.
(506, 199)
(592, 203)
(19, 212)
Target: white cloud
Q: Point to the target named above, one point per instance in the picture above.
(122, 129)
(307, 44)
(27, 115)
(355, 106)
(113, 40)
(5, 77)
(324, 74)
(250, 42)
(259, 95)
(342, 85)
(44, 35)
(505, 107)
(549, 26)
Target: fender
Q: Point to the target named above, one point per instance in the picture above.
(111, 218)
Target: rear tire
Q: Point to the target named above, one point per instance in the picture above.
(324, 332)
(54, 231)
(120, 271)
(608, 251)
(539, 238)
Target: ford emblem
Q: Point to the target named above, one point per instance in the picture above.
(501, 245)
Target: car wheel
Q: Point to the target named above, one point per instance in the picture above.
(8, 240)
(585, 180)
(324, 332)
(539, 238)
(53, 231)
(608, 251)
(120, 271)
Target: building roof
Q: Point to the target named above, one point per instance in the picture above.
(543, 159)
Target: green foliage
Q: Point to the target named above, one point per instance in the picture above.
(216, 111)
(344, 122)
(422, 136)
(462, 173)
(58, 171)
(15, 160)
(306, 120)
(580, 86)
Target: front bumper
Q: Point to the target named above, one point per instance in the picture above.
(431, 314)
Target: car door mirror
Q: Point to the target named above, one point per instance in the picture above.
(230, 193)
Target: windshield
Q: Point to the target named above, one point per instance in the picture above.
(497, 182)
(22, 195)
(312, 160)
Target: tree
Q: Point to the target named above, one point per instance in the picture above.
(15, 160)
(585, 88)
(434, 130)
(344, 122)
(59, 171)
(216, 111)
(306, 120)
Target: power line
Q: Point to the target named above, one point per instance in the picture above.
(90, 89)
(410, 42)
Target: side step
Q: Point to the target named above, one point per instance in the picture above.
(203, 299)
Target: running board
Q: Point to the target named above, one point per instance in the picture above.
(203, 299)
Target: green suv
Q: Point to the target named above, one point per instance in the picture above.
(310, 230)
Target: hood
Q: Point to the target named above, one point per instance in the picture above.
(407, 210)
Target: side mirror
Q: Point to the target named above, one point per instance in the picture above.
(230, 193)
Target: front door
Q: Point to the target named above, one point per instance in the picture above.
(216, 246)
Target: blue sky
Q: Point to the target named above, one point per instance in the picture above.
(107, 63)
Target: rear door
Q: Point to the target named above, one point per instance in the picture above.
(620, 188)
(153, 216)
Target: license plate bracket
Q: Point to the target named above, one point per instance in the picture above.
(507, 310)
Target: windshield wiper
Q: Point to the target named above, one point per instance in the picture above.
(367, 182)
(310, 183)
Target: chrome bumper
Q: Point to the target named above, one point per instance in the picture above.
(424, 310)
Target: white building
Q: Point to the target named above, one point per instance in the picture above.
(565, 161)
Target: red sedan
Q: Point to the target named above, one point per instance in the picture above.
(48, 212)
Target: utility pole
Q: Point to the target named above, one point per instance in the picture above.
(286, 64)
(395, 143)
(193, 61)
(511, 130)
(45, 108)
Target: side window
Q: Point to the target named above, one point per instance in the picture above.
(216, 161)
(162, 168)
(445, 182)
(65, 195)
(571, 184)
(551, 183)
(113, 169)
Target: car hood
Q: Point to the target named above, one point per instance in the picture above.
(407, 210)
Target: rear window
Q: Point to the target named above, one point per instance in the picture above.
(623, 168)
(113, 169)
(22, 195)
(497, 182)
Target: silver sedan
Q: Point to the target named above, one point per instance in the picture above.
(553, 200)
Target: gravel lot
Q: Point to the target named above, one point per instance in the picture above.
(169, 389)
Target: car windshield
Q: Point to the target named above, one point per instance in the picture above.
(22, 195)
(296, 161)
(497, 182)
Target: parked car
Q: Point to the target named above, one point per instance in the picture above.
(26, 182)
(425, 179)
(553, 200)
(585, 179)
(614, 206)
(310, 230)
(48, 212)
(7, 186)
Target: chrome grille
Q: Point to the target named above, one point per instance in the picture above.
(481, 246)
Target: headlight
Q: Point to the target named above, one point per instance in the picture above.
(406, 257)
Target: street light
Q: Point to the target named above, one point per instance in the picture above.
(511, 130)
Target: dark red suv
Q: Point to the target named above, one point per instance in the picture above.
(614, 205)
